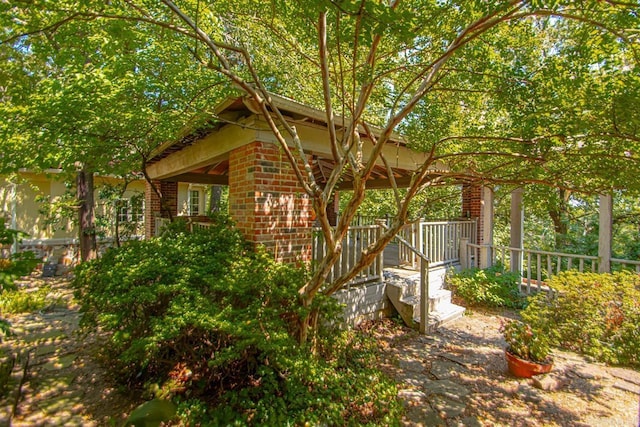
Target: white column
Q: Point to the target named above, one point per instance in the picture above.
(486, 227)
(605, 233)
(517, 227)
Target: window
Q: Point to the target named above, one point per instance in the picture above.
(122, 210)
(130, 210)
(194, 202)
(137, 208)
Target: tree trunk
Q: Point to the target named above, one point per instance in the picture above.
(86, 215)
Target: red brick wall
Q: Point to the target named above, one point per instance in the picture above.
(267, 203)
(472, 204)
(153, 207)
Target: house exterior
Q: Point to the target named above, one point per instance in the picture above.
(266, 201)
(40, 205)
(268, 204)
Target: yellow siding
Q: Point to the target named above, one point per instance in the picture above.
(32, 187)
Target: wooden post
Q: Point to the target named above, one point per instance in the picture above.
(424, 295)
(420, 246)
(605, 233)
(415, 241)
(485, 228)
(464, 252)
(517, 226)
(380, 258)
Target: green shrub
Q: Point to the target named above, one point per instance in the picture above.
(490, 287)
(203, 319)
(596, 314)
(15, 265)
(21, 301)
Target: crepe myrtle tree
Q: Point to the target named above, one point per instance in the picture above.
(492, 91)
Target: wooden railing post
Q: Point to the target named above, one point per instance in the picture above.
(486, 257)
(380, 258)
(415, 241)
(424, 295)
(464, 252)
(605, 233)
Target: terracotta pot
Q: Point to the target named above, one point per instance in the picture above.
(525, 368)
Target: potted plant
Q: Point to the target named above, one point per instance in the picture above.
(527, 351)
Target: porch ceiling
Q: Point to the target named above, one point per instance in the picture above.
(202, 155)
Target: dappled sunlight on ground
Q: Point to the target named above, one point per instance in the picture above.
(458, 376)
(56, 380)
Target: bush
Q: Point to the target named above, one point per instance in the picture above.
(490, 287)
(596, 314)
(203, 319)
(15, 265)
(21, 301)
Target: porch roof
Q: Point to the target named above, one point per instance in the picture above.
(202, 156)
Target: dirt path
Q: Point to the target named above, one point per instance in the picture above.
(458, 377)
(55, 380)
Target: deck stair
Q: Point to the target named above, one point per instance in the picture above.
(403, 290)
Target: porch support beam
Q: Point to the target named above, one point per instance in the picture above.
(605, 233)
(203, 152)
(314, 140)
(200, 178)
(517, 229)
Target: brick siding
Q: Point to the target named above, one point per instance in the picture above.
(472, 204)
(267, 203)
(153, 205)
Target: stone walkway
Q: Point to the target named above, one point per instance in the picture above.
(54, 381)
(458, 377)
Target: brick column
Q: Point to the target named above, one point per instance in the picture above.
(267, 203)
(477, 203)
(153, 205)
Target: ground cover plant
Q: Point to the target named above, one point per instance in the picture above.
(596, 314)
(22, 301)
(489, 287)
(204, 320)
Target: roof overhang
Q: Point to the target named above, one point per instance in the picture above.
(199, 155)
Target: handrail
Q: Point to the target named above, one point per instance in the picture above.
(626, 262)
(424, 280)
(411, 247)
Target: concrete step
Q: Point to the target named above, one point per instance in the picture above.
(437, 298)
(401, 290)
(445, 314)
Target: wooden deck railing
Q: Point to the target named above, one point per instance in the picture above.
(439, 241)
(538, 266)
(625, 264)
(160, 223)
(356, 240)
